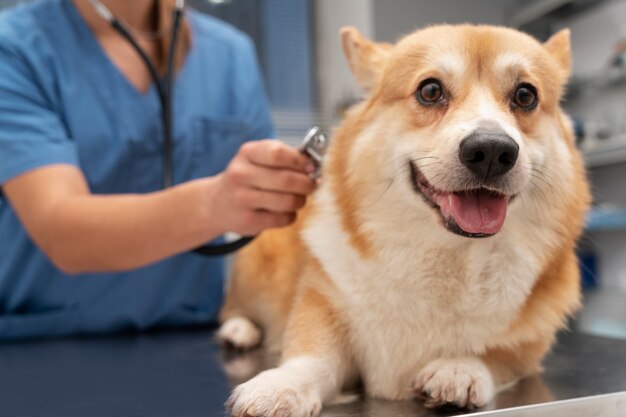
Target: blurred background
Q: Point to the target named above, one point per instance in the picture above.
(308, 83)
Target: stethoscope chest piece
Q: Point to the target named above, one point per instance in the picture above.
(314, 145)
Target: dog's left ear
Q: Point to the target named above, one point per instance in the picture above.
(560, 48)
(365, 58)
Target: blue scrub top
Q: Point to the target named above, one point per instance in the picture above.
(63, 101)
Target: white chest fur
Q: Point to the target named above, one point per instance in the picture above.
(425, 294)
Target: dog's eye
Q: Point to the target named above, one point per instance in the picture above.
(429, 92)
(525, 97)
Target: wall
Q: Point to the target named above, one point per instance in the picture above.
(397, 17)
(289, 50)
(334, 79)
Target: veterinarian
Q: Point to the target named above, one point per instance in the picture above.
(90, 240)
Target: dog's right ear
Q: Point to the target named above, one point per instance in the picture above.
(365, 58)
(559, 46)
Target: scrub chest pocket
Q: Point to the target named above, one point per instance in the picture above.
(204, 149)
(215, 143)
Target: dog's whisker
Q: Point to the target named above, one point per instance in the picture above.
(542, 194)
(389, 184)
(557, 193)
(544, 176)
(416, 160)
(434, 181)
(521, 197)
(402, 171)
(409, 154)
(406, 168)
(428, 165)
(423, 157)
(553, 189)
(544, 173)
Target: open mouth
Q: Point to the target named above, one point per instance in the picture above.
(472, 213)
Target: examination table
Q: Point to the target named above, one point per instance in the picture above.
(186, 374)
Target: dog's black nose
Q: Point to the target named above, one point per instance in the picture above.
(488, 154)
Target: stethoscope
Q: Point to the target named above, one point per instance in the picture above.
(314, 144)
(164, 90)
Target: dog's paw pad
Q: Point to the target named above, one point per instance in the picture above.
(465, 383)
(240, 333)
(270, 394)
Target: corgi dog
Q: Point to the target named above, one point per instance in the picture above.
(436, 260)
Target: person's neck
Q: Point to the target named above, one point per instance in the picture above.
(138, 14)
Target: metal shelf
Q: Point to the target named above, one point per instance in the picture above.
(606, 220)
(610, 151)
(536, 10)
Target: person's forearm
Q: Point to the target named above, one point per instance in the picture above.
(262, 187)
(121, 232)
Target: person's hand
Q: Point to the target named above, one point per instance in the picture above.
(262, 187)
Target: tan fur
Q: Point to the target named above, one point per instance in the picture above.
(340, 305)
(363, 56)
(267, 296)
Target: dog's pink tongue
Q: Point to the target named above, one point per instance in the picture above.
(478, 211)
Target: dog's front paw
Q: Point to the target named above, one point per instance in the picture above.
(240, 333)
(465, 383)
(273, 393)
